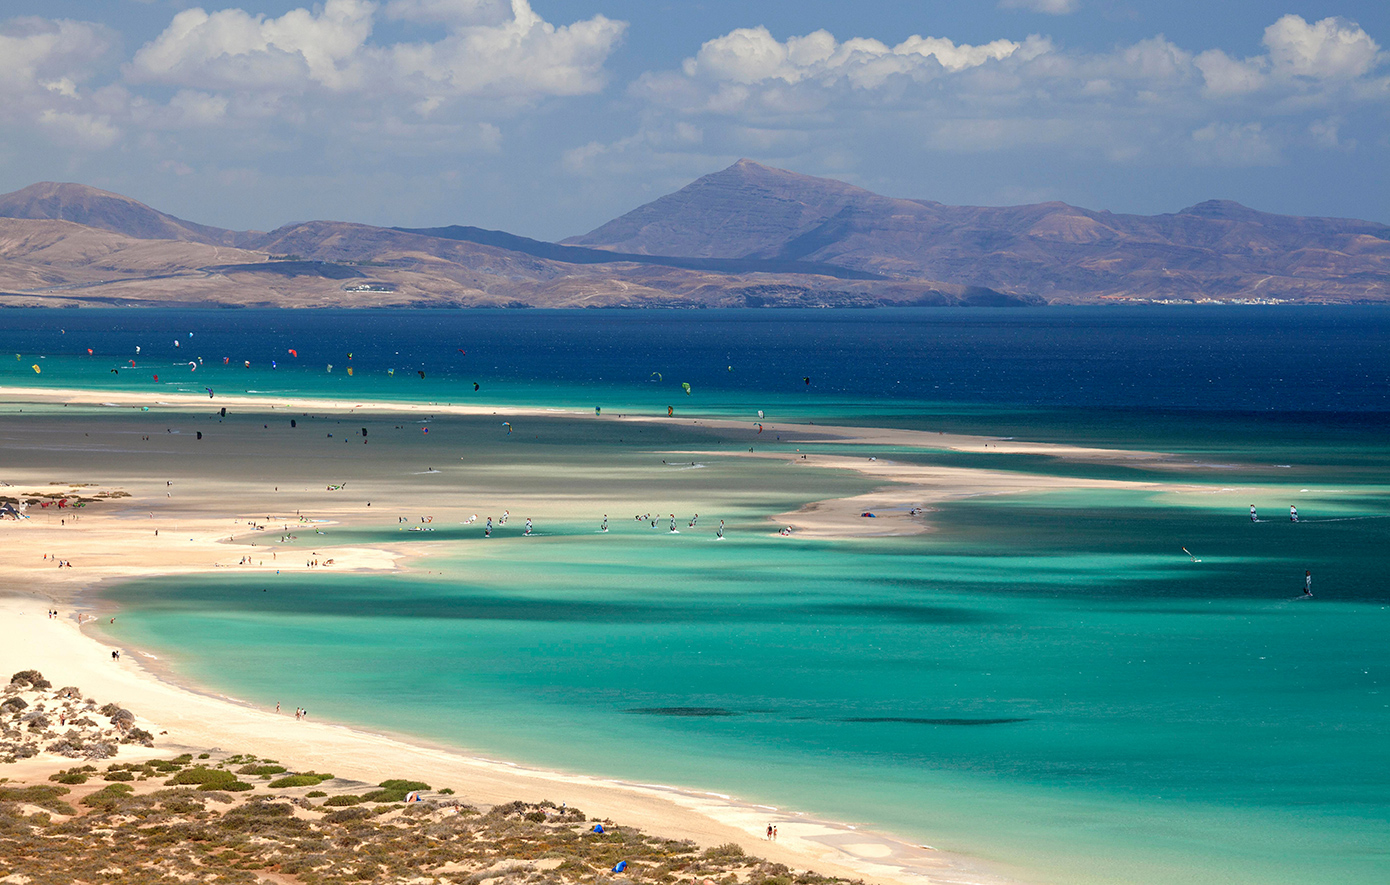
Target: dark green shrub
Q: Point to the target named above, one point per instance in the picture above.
(232, 787)
(303, 779)
(262, 770)
(41, 795)
(344, 801)
(315, 794)
(73, 775)
(121, 775)
(344, 815)
(207, 779)
(108, 797)
(395, 790)
(32, 678)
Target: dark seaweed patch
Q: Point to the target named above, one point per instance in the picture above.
(682, 711)
(913, 720)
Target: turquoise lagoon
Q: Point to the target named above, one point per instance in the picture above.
(1044, 681)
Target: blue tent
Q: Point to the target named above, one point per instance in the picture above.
(598, 828)
(622, 865)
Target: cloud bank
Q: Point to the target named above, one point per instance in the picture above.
(412, 97)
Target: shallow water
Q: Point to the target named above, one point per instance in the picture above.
(1045, 681)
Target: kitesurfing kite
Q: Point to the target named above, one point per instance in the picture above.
(349, 370)
(475, 385)
(656, 375)
(37, 370)
(294, 353)
(760, 413)
(421, 372)
(89, 351)
(462, 351)
(685, 385)
(194, 365)
(209, 390)
(508, 425)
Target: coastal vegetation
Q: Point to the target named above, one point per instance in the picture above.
(129, 823)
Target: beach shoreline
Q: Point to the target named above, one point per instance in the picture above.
(190, 718)
(115, 547)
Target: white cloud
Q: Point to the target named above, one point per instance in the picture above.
(87, 129)
(1333, 48)
(43, 54)
(753, 55)
(1227, 76)
(199, 108)
(491, 49)
(1151, 101)
(1047, 7)
(234, 49)
(522, 55)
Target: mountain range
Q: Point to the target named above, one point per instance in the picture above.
(748, 235)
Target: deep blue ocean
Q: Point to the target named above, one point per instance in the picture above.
(1045, 681)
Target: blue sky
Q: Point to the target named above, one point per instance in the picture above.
(548, 118)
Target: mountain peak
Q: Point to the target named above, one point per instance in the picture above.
(93, 207)
(1221, 209)
(742, 210)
